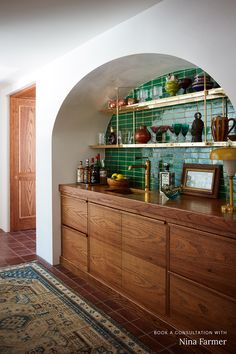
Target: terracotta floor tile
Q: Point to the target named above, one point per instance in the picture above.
(133, 329)
(117, 317)
(14, 260)
(113, 304)
(103, 307)
(29, 257)
(180, 349)
(127, 313)
(152, 344)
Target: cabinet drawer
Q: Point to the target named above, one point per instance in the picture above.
(205, 258)
(105, 224)
(144, 282)
(105, 262)
(194, 307)
(74, 213)
(144, 238)
(74, 248)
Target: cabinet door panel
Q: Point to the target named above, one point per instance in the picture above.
(144, 238)
(74, 213)
(193, 307)
(205, 258)
(74, 248)
(105, 224)
(105, 262)
(144, 281)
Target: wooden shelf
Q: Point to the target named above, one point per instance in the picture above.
(170, 101)
(167, 145)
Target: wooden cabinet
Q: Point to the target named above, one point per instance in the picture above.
(74, 213)
(204, 257)
(144, 261)
(74, 238)
(144, 238)
(127, 256)
(195, 307)
(105, 244)
(75, 248)
(185, 275)
(202, 281)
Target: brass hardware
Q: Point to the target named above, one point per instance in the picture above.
(147, 167)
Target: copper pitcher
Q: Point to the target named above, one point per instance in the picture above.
(220, 127)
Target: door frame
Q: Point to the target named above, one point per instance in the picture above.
(26, 93)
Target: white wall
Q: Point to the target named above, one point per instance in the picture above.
(201, 32)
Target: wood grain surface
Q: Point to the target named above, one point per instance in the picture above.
(206, 258)
(74, 213)
(75, 247)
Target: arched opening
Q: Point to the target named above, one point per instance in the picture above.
(79, 118)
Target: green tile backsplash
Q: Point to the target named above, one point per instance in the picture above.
(118, 160)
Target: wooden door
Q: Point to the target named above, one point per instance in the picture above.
(22, 160)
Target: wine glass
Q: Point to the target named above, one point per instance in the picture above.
(184, 130)
(177, 129)
(154, 129)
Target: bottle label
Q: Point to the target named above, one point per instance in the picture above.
(79, 175)
(103, 173)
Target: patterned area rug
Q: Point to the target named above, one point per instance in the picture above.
(39, 314)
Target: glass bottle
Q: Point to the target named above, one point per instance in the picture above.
(111, 140)
(95, 172)
(80, 173)
(103, 173)
(87, 173)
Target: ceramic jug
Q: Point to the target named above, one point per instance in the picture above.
(142, 135)
(220, 127)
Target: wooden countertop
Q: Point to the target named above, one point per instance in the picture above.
(191, 211)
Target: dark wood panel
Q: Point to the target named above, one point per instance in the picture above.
(205, 258)
(75, 248)
(74, 213)
(144, 281)
(144, 238)
(193, 307)
(105, 262)
(105, 224)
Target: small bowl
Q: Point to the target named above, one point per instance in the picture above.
(121, 183)
(111, 104)
(122, 102)
(171, 193)
(131, 101)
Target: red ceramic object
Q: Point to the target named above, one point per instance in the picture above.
(142, 135)
(111, 104)
(131, 100)
(220, 127)
(122, 102)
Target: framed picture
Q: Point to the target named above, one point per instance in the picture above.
(201, 180)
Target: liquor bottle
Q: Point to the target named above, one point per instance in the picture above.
(103, 173)
(80, 173)
(94, 173)
(111, 137)
(166, 178)
(91, 167)
(87, 172)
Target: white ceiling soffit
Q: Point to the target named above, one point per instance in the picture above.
(33, 33)
(127, 72)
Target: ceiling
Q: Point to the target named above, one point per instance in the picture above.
(33, 33)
